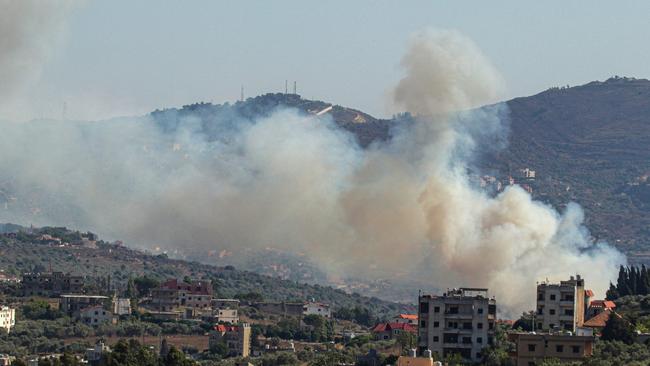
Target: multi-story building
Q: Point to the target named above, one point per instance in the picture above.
(533, 348)
(121, 306)
(316, 308)
(406, 318)
(226, 316)
(7, 318)
(174, 294)
(73, 304)
(96, 315)
(51, 284)
(561, 306)
(236, 338)
(461, 321)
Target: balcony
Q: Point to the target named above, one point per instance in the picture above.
(566, 303)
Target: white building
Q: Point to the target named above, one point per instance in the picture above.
(7, 318)
(96, 315)
(121, 306)
(462, 321)
(95, 354)
(316, 308)
(406, 319)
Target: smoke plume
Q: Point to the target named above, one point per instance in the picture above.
(28, 28)
(405, 207)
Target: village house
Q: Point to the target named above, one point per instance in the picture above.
(51, 284)
(236, 338)
(173, 294)
(386, 331)
(413, 360)
(406, 318)
(72, 304)
(598, 306)
(226, 316)
(461, 321)
(96, 315)
(316, 308)
(533, 348)
(121, 306)
(7, 318)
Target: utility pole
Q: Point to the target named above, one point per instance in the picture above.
(241, 97)
(294, 88)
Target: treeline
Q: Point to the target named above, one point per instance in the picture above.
(631, 281)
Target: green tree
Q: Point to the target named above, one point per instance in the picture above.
(618, 329)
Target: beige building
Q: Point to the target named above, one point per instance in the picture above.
(237, 338)
(413, 360)
(173, 294)
(96, 315)
(532, 349)
(73, 304)
(121, 306)
(7, 318)
(462, 321)
(561, 306)
(226, 316)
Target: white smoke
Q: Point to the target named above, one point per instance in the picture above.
(29, 32)
(294, 182)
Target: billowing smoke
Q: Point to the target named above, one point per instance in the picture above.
(29, 28)
(405, 207)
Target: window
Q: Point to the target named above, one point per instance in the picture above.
(559, 348)
(480, 310)
(551, 311)
(479, 340)
(575, 349)
(540, 311)
(467, 325)
(424, 307)
(531, 348)
(436, 309)
(423, 323)
(479, 325)
(436, 339)
(568, 312)
(539, 325)
(436, 324)
(467, 340)
(552, 297)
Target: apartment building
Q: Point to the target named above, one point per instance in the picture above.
(533, 348)
(461, 321)
(236, 338)
(561, 306)
(7, 318)
(172, 294)
(51, 284)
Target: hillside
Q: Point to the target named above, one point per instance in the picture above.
(98, 260)
(589, 144)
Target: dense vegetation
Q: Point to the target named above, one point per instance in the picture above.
(631, 281)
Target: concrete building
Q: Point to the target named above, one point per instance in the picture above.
(226, 316)
(531, 348)
(7, 318)
(236, 338)
(406, 318)
(51, 284)
(281, 308)
(461, 321)
(121, 306)
(73, 304)
(173, 294)
(96, 315)
(413, 360)
(94, 355)
(598, 306)
(386, 331)
(316, 308)
(225, 303)
(561, 306)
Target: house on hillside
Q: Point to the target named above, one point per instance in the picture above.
(7, 318)
(406, 318)
(96, 315)
(386, 331)
(173, 294)
(598, 306)
(236, 338)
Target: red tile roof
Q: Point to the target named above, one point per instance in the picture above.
(226, 328)
(409, 316)
(599, 320)
(383, 327)
(604, 304)
(589, 293)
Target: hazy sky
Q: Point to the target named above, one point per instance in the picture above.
(128, 57)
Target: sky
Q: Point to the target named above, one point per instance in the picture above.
(118, 57)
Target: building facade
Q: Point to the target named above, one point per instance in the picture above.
(236, 338)
(121, 306)
(533, 348)
(51, 284)
(173, 294)
(96, 315)
(73, 304)
(406, 318)
(7, 318)
(316, 308)
(461, 321)
(226, 316)
(561, 306)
